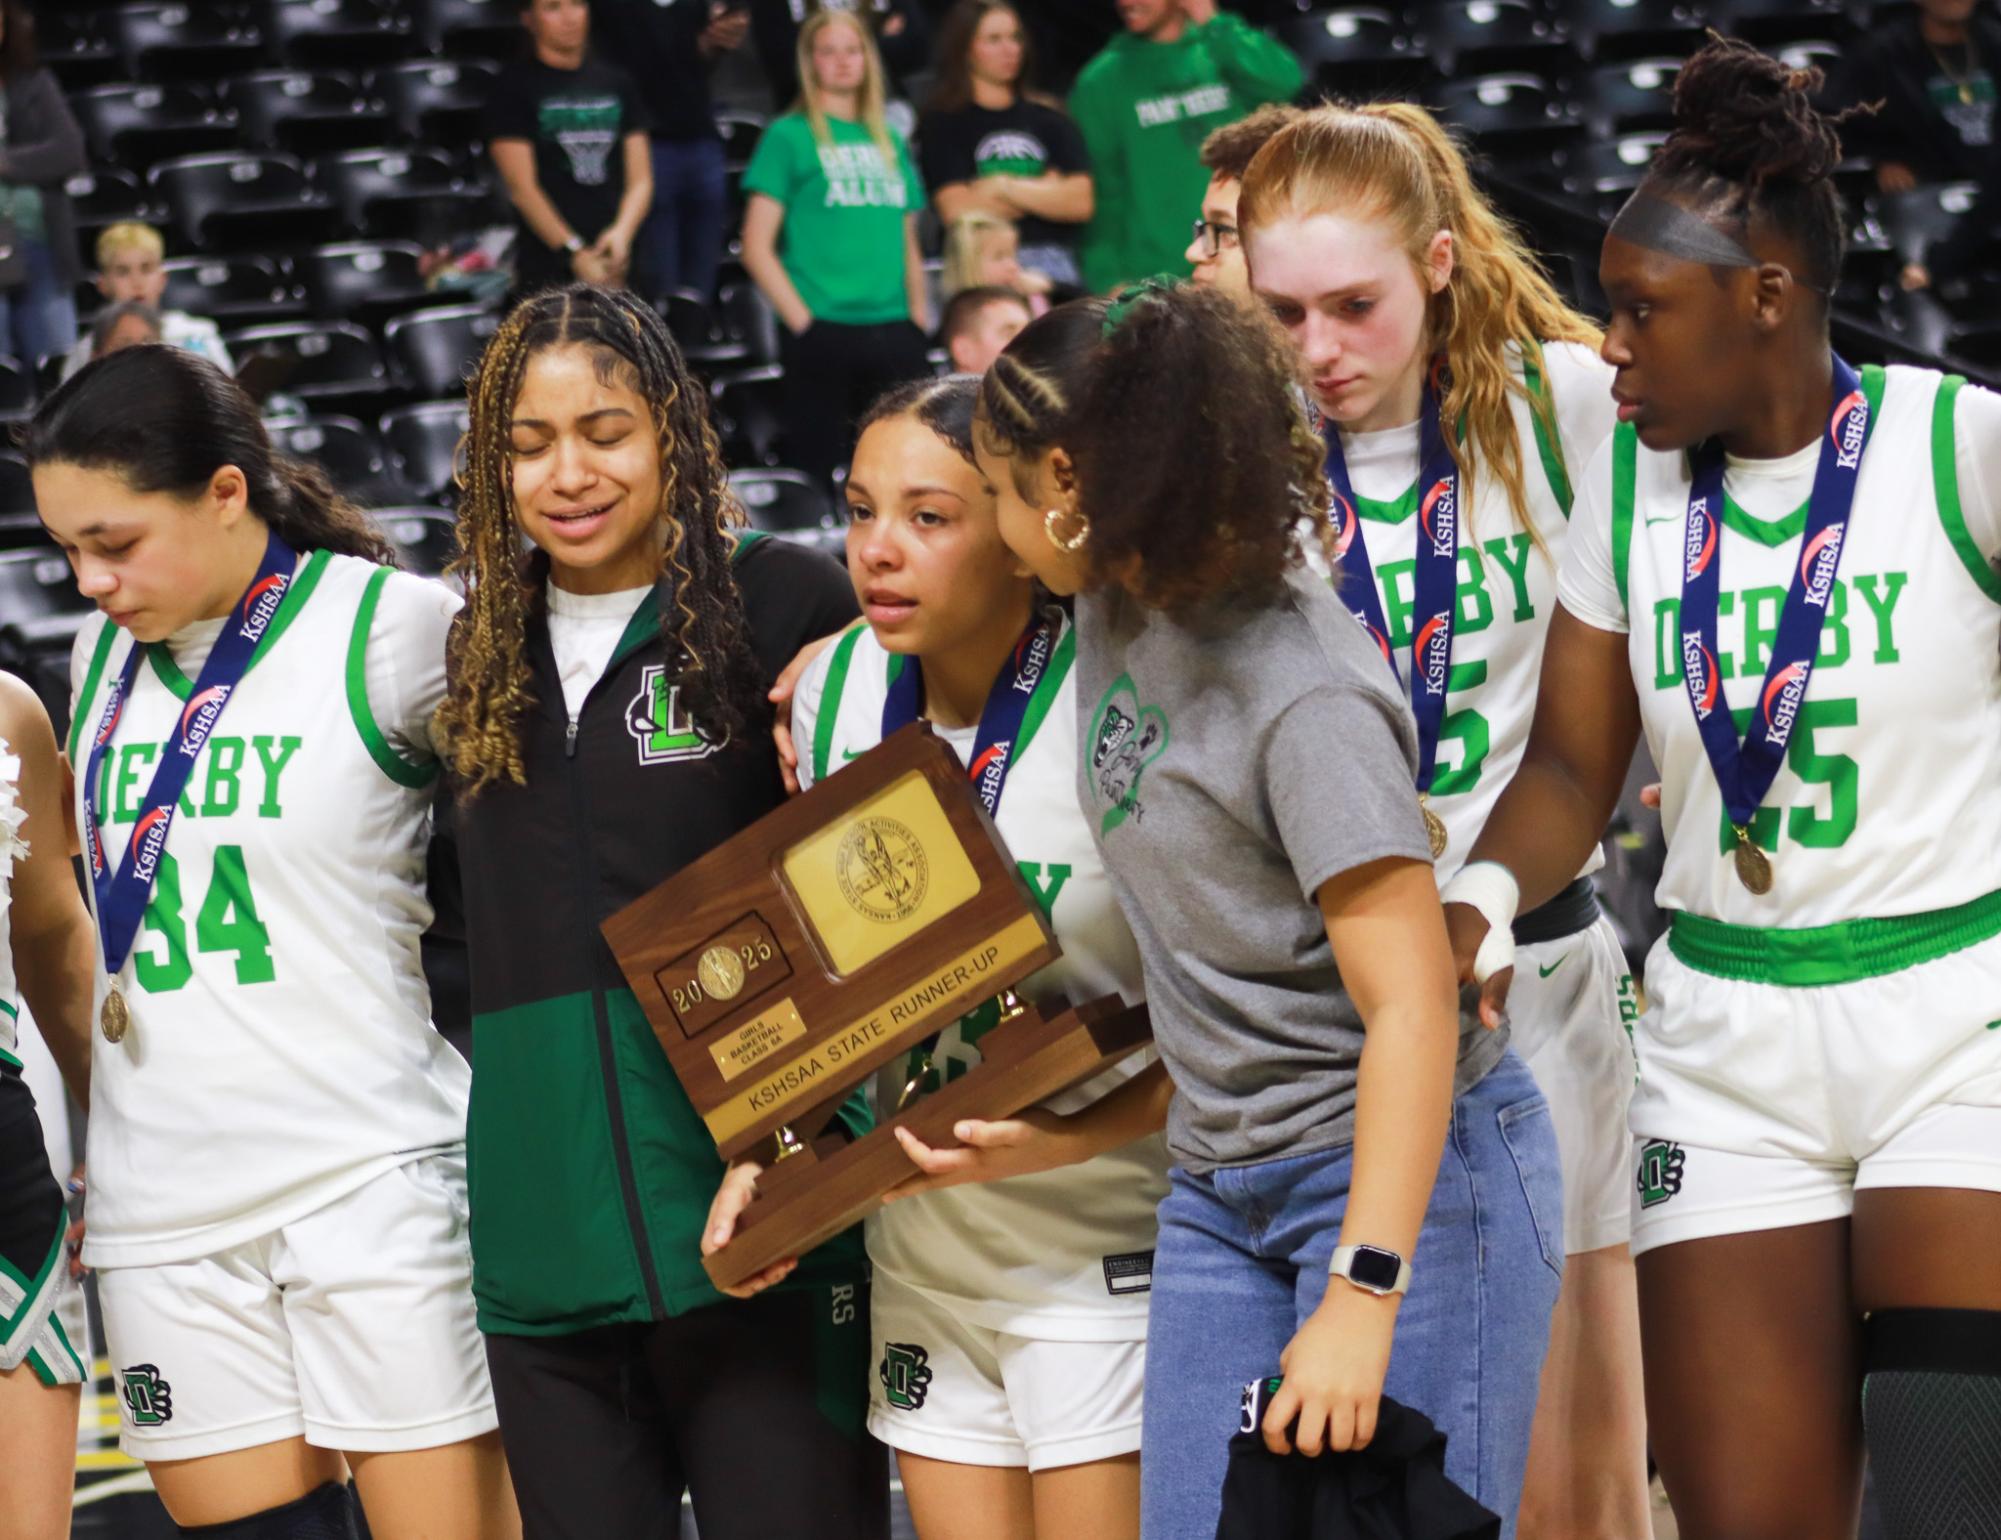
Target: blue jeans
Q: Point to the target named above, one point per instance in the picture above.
(38, 318)
(1242, 1261)
(682, 239)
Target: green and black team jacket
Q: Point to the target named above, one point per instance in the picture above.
(590, 1172)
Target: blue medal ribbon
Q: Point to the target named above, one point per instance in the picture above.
(1000, 719)
(1435, 597)
(1745, 769)
(122, 895)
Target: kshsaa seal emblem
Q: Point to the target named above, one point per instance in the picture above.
(882, 870)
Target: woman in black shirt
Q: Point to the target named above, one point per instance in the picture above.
(988, 144)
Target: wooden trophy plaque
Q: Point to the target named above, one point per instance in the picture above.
(780, 970)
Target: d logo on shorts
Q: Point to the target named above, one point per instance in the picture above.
(148, 1398)
(1660, 1172)
(905, 1375)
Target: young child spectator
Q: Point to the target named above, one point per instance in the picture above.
(1934, 69)
(982, 250)
(1216, 253)
(1179, 69)
(127, 325)
(671, 49)
(830, 238)
(130, 271)
(41, 148)
(568, 136)
(989, 144)
(979, 322)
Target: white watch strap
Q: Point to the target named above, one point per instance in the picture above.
(1490, 888)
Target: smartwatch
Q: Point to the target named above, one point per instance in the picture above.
(574, 244)
(1373, 1269)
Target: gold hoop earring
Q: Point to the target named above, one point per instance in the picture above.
(1074, 543)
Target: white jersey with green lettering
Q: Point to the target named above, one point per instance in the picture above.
(1062, 1254)
(1889, 800)
(1507, 587)
(281, 1052)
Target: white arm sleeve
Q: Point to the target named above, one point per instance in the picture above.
(1977, 452)
(1586, 584)
(405, 660)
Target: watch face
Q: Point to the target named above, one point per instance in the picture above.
(1374, 1268)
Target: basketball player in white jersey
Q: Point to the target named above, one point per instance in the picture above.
(1413, 307)
(277, 1207)
(1009, 1316)
(1783, 570)
(45, 950)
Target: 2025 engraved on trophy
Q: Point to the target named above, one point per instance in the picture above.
(784, 967)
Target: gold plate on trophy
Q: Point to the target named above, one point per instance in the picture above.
(871, 880)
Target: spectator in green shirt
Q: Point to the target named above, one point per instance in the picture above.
(1145, 104)
(830, 238)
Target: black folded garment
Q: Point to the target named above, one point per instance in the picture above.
(1396, 1489)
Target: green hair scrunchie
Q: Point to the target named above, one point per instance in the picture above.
(1124, 302)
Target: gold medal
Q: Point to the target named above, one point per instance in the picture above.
(1434, 826)
(116, 1017)
(1754, 867)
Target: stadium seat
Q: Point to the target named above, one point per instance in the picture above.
(424, 439)
(365, 281)
(1602, 174)
(304, 112)
(415, 194)
(232, 201)
(40, 615)
(697, 329)
(1608, 30)
(1771, 22)
(1355, 51)
(20, 531)
(740, 131)
(1978, 346)
(17, 390)
(238, 290)
(489, 28)
(1512, 118)
(183, 40)
(108, 196)
(427, 538)
(136, 125)
(333, 366)
(72, 41)
(1917, 219)
(748, 415)
(348, 452)
(434, 350)
(436, 101)
(1629, 96)
(17, 491)
(781, 500)
(1477, 36)
(335, 34)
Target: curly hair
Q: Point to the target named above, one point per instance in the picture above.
(1395, 162)
(702, 630)
(1194, 462)
(1748, 143)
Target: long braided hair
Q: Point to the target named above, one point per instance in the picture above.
(702, 630)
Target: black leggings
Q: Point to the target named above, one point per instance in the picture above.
(755, 1408)
(833, 373)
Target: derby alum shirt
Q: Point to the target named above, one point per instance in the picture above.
(281, 1053)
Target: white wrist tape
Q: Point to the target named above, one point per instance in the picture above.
(1490, 888)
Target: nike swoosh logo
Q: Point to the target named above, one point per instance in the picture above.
(1546, 972)
(851, 754)
(1666, 518)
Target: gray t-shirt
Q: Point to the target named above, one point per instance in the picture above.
(1230, 765)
